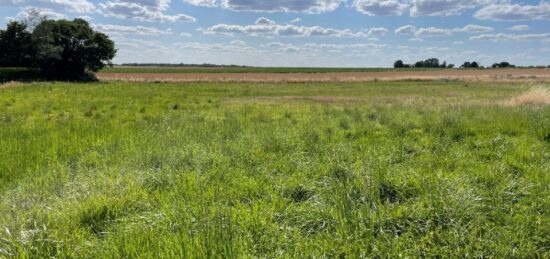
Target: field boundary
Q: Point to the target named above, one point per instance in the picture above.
(484, 75)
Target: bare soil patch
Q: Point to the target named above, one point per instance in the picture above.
(490, 75)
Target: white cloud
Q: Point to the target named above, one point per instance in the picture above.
(378, 31)
(471, 28)
(296, 6)
(296, 20)
(264, 21)
(514, 12)
(435, 32)
(407, 29)
(85, 17)
(513, 37)
(78, 6)
(380, 8)
(206, 3)
(432, 32)
(231, 47)
(238, 43)
(112, 29)
(51, 14)
(185, 34)
(519, 28)
(266, 27)
(145, 10)
(323, 47)
(444, 7)
(458, 42)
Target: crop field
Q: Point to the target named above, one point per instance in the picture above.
(234, 170)
(327, 75)
(229, 69)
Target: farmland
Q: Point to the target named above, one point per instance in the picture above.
(304, 75)
(407, 168)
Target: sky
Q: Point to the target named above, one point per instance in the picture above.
(313, 33)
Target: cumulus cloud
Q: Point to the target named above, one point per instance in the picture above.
(407, 29)
(206, 3)
(514, 12)
(265, 21)
(266, 27)
(297, 6)
(513, 37)
(444, 7)
(435, 32)
(471, 28)
(432, 32)
(519, 28)
(296, 20)
(51, 14)
(143, 10)
(323, 47)
(378, 31)
(118, 30)
(78, 6)
(380, 8)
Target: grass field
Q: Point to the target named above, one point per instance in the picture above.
(284, 70)
(378, 169)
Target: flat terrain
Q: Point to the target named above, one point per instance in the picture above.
(233, 170)
(319, 75)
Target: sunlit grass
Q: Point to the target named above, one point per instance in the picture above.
(412, 169)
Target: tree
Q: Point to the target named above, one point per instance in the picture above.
(33, 19)
(466, 64)
(451, 66)
(62, 49)
(431, 62)
(70, 48)
(474, 65)
(398, 64)
(16, 46)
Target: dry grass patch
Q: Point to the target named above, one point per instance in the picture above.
(534, 96)
(10, 84)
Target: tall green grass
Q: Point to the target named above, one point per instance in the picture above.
(380, 169)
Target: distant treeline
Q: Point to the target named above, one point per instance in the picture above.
(177, 65)
(434, 63)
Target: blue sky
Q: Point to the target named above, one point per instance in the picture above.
(323, 33)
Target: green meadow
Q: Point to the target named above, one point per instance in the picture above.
(238, 170)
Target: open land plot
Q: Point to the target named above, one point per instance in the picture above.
(388, 169)
(321, 75)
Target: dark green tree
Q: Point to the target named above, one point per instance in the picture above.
(398, 64)
(16, 46)
(419, 64)
(431, 62)
(71, 48)
(60, 49)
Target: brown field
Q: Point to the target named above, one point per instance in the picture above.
(531, 75)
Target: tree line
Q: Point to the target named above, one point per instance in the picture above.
(55, 49)
(434, 63)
